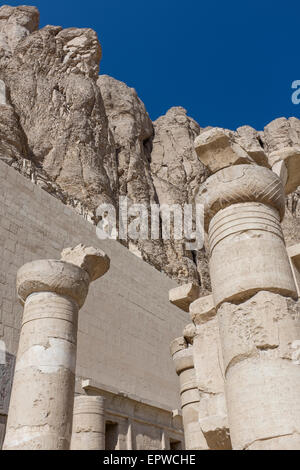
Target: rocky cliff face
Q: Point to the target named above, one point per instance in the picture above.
(88, 139)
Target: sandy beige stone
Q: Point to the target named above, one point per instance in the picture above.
(280, 170)
(259, 340)
(189, 394)
(264, 323)
(16, 23)
(88, 423)
(294, 255)
(263, 404)
(208, 363)
(251, 141)
(216, 149)
(241, 183)
(247, 237)
(94, 261)
(52, 292)
(291, 158)
(202, 310)
(3, 99)
(184, 295)
(189, 332)
(53, 276)
(253, 287)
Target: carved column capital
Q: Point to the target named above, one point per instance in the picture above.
(240, 184)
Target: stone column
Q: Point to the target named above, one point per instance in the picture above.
(41, 404)
(209, 370)
(88, 423)
(255, 295)
(182, 355)
(294, 254)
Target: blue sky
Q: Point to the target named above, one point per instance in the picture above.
(229, 63)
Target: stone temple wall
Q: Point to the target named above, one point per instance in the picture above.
(125, 327)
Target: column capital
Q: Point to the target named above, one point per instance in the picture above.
(182, 355)
(93, 260)
(53, 276)
(69, 276)
(240, 184)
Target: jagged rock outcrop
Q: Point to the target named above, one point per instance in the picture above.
(15, 25)
(13, 142)
(157, 164)
(51, 76)
(252, 141)
(88, 139)
(177, 173)
(176, 169)
(282, 133)
(132, 130)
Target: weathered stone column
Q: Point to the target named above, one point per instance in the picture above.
(88, 423)
(294, 255)
(183, 358)
(41, 405)
(209, 370)
(254, 292)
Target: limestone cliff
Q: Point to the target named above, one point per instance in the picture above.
(88, 139)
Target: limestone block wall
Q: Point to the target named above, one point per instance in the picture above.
(127, 322)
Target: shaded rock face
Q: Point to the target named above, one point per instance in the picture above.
(88, 139)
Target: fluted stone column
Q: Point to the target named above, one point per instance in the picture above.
(182, 355)
(88, 423)
(41, 405)
(209, 370)
(255, 295)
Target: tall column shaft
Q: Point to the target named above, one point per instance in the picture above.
(209, 371)
(189, 394)
(44, 374)
(88, 424)
(255, 295)
(41, 405)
